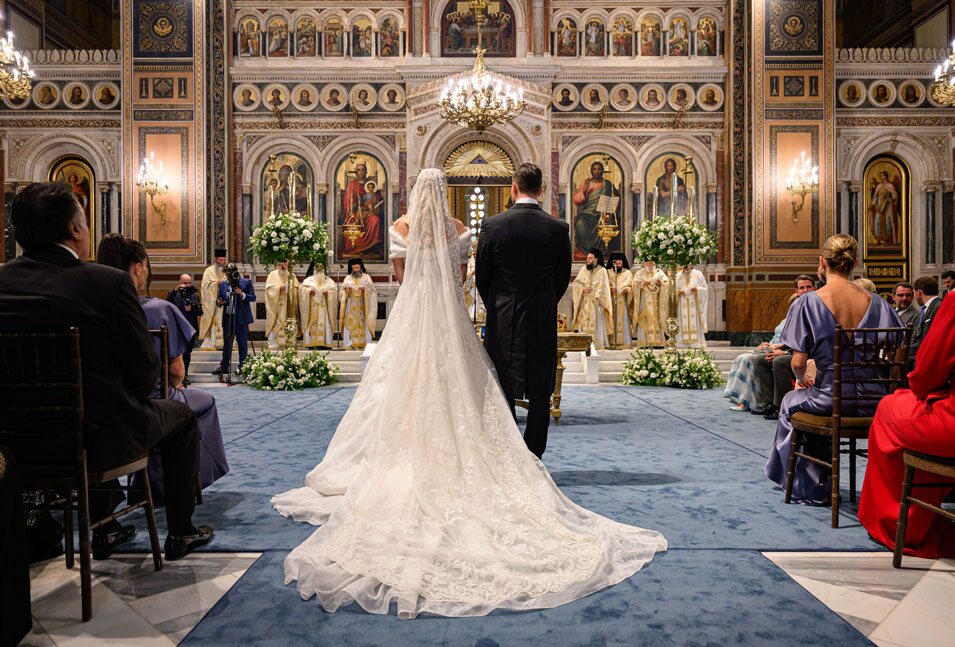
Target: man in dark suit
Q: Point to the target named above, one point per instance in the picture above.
(236, 319)
(523, 269)
(926, 294)
(50, 287)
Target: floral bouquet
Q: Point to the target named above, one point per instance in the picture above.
(289, 237)
(287, 371)
(673, 241)
(685, 369)
(643, 369)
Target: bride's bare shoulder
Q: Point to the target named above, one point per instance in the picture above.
(459, 226)
(401, 226)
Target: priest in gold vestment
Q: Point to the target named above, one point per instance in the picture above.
(621, 293)
(650, 305)
(358, 307)
(592, 305)
(281, 304)
(318, 296)
(691, 308)
(210, 323)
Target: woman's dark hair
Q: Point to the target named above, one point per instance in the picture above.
(115, 250)
(528, 178)
(42, 213)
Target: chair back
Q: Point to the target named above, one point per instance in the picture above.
(867, 356)
(41, 400)
(163, 335)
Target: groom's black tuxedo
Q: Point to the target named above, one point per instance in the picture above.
(523, 269)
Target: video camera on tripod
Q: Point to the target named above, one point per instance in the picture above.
(232, 275)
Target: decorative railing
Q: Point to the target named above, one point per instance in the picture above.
(928, 55)
(68, 56)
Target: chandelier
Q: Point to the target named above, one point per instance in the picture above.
(152, 182)
(943, 90)
(15, 72)
(480, 99)
(803, 179)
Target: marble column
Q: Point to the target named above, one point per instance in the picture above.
(948, 222)
(540, 36)
(321, 206)
(119, 208)
(244, 229)
(104, 213)
(931, 188)
(636, 195)
(854, 188)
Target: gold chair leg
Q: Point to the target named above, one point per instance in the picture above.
(903, 516)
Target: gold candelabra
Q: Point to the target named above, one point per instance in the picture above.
(943, 89)
(608, 228)
(153, 183)
(802, 181)
(353, 226)
(689, 183)
(480, 99)
(15, 72)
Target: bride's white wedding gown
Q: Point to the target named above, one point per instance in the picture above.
(427, 494)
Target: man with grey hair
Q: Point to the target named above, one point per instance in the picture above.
(903, 295)
(187, 299)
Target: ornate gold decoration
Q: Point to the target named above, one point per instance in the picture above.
(480, 99)
(803, 180)
(353, 227)
(608, 227)
(153, 183)
(162, 27)
(794, 26)
(15, 72)
(479, 159)
(690, 183)
(943, 89)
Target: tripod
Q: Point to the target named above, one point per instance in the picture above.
(230, 332)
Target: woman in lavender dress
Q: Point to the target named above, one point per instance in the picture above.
(810, 333)
(130, 256)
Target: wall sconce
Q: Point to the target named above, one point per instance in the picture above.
(803, 179)
(152, 182)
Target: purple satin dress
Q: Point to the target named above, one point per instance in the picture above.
(811, 328)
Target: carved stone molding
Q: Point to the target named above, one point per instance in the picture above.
(948, 186)
(246, 189)
(60, 56)
(855, 187)
(321, 188)
(712, 187)
(891, 55)
(932, 186)
(636, 187)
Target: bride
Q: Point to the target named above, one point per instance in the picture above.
(427, 494)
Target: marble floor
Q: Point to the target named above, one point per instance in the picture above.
(911, 606)
(132, 603)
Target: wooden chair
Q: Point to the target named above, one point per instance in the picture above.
(938, 465)
(877, 351)
(41, 420)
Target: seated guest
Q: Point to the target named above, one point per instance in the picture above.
(50, 287)
(921, 418)
(128, 255)
(926, 294)
(948, 282)
(742, 384)
(866, 284)
(903, 295)
(810, 333)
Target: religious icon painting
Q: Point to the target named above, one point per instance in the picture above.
(250, 38)
(710, 97)
(881, 93)
(595, 38)
(651, 37)
(78, 174)
(595, 181)
(852, 93)
(246, 97)
(886, 204)
(680, 97)
(363, 97)
(621, 37)
(105, 95)
(566, 97)
(334, 97)
(678, 37)
(304, 97)
(652, 97)
(706, 37)
(623, 97)
(389, 38)
(593, 97)
(391, 97)
(306, 38)
(15, 103)
(333, 38)
(277, 38)
(275, 97)
(911, 93)
(76, 95)
(362, 38)
(287, 185)
(46, 95)
(459, 34)
(668, 181)
(361, 191)
(565, 37)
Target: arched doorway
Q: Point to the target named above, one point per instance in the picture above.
(479, 182)
(886, 217)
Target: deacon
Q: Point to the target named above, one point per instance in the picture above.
(592, 304)
(691, 308)
(358, 307)
(621, 293)
(281, 304)
(210, 323)
(318, 295)
(650, 305)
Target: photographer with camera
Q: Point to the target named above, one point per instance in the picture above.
(186, 298)
(235, 296)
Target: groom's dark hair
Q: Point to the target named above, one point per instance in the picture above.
(528, 178)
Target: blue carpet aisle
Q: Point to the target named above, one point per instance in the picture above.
(676, 461)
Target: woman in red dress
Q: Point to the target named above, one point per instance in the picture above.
(921, 419)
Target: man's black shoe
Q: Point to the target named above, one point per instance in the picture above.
(108, 539)
(219, 371)
(179, 547)
(186, 382)
(772, 413)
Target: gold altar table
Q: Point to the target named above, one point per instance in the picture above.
(566, 342)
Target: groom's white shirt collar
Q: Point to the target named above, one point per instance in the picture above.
(527, 201)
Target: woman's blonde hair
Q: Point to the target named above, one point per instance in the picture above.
(866, 284)
(840, 253)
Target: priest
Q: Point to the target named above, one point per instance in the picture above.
(317, 296)
(650, 305)
(621, 294)
(281, 304)
(592, 304)
(210, 323)
(691, 308)
(358, 309)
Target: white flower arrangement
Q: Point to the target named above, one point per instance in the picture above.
(676, 241)
(288, 371)
(686, 369)
(289, 237)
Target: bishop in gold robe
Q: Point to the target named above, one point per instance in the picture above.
(650, 305)
(358, 306)
(281, 304)
(210, 323)
(621, 294)
(593, 309)
(317, 298)
(691, 308)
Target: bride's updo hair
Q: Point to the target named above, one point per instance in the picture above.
(840, 253)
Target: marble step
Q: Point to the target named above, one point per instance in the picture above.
(349, 362)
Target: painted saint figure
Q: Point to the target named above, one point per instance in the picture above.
(586, 196)
(665, 185)
(884, 212)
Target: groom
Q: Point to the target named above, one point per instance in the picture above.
(523, 269)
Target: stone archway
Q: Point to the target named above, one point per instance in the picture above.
(479, 176)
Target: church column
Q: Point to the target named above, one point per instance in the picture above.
(636, 193)
(665, 44)
(539, 23)
(712, 204)
(948, 222)
(321, 189)
(693, 41)
(854, 188)
(105, 215)
(930, 188)
(242, 204)
(244, 226)
(426, 27)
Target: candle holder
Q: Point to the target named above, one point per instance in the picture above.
(15, 72)
(153, 183)
(943, 89)
(802, 181)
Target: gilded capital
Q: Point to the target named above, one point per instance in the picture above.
(932, 186)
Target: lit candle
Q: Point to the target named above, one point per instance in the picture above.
(656, 192)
